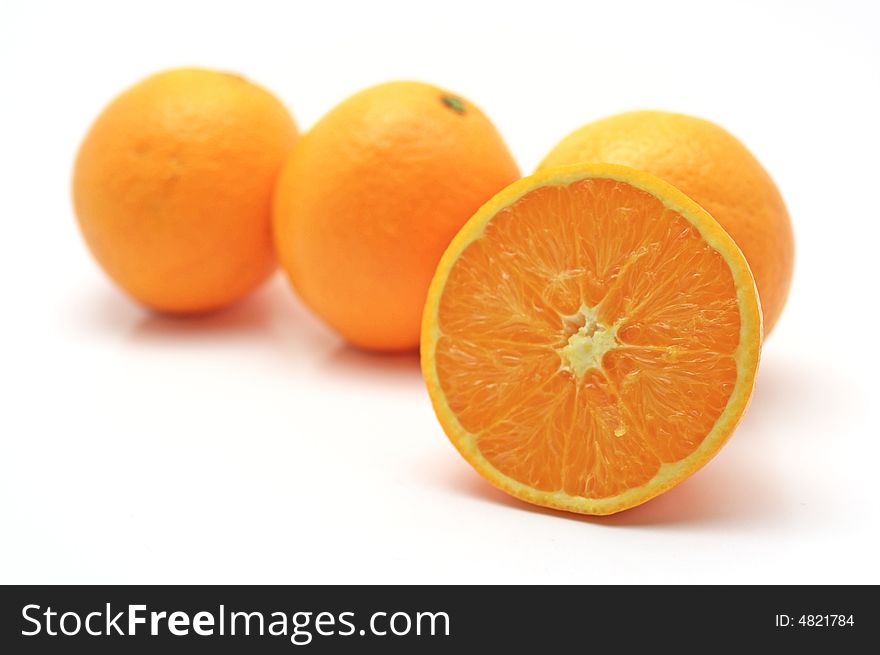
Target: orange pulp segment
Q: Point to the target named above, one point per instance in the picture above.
(590, 338)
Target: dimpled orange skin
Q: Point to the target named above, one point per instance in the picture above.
(712, 167)
(370, 198)
(173, 188)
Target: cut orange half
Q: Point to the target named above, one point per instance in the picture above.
(590, 338)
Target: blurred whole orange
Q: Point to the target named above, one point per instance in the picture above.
(371, 196)
(173, 187)
(711, 166)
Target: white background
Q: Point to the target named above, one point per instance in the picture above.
(253, 446)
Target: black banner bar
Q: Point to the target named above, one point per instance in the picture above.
(276, 619)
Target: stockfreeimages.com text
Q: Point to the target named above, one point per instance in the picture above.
(301, 627)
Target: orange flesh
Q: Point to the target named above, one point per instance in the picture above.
(587, 338)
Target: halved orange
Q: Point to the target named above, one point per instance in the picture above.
(590, 338)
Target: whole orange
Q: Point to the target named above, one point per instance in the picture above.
(371, 196)
(173, 188)
(712, 167)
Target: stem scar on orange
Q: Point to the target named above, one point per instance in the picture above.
(590, 338)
